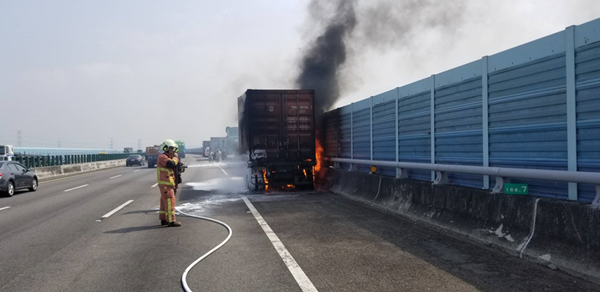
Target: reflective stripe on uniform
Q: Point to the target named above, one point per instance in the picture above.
(169, 171)
(170, 174)
(167, 183)
(169, 210)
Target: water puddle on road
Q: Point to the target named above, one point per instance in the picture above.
(209, 203)
(220, 185)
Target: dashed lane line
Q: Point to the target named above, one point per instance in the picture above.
(154, 185)
(79, 187)
(116, 209)
(223, 170)
(4, 208)
(115, 176)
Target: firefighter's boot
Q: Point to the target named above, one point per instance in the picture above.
(164, 222)
(174, 224)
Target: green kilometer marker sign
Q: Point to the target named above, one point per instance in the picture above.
(516, 189)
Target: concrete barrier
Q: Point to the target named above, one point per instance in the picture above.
(558, 234)
(60, 170)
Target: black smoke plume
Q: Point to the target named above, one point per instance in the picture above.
(321, 63)
(356, 26)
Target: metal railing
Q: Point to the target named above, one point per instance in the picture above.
(32, 161)
(502, 174)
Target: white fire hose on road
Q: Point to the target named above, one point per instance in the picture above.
(184, 276)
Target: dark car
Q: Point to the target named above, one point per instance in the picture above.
(14, 176)
(135, 159)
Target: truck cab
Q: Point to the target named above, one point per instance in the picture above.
(7, 153)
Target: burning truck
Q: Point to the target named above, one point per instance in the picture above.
(277, 135)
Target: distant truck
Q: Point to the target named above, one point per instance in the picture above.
(216, 144)
(181, 145)
(128, 150)
(7, 152)
(232, 142)
(205, 148)
(277, 135)
(152, 155)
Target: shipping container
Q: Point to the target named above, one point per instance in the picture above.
(205, 148)
(277, 135)
(231, 143)
(217, 143)
(152, 155)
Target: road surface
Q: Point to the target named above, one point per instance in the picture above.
(56, 239)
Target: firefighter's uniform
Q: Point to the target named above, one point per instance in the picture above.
(167, 183)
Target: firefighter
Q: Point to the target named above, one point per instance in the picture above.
(168, 167)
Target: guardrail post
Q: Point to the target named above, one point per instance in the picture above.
(351, 132)
(397, 134)
(441, 178)
(571, 108)
(499, 187)
(401, 172)
(371, 128)
(596, 202)
(485, 130)
(432, 117)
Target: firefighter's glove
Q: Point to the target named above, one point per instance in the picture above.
(182, 168)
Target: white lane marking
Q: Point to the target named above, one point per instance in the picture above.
(79, 187)
(154, 185)
(136, 170)
(223, 170)
(305, 284)
(116, 209)
(4, 208)
(115, 176)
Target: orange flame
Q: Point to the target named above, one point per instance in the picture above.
(290, 186)
(265, 179)
(319, 154)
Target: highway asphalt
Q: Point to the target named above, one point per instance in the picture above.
(55, 239)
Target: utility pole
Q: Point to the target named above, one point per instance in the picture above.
(19, 138)
(111, 143)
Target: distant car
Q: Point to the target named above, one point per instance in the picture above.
(14, 176)
(135, 159)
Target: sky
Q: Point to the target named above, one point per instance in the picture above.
(88, 72)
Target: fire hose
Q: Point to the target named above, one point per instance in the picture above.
(185, 273)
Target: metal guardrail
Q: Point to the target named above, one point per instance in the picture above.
(502, 174)
(32, 161)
